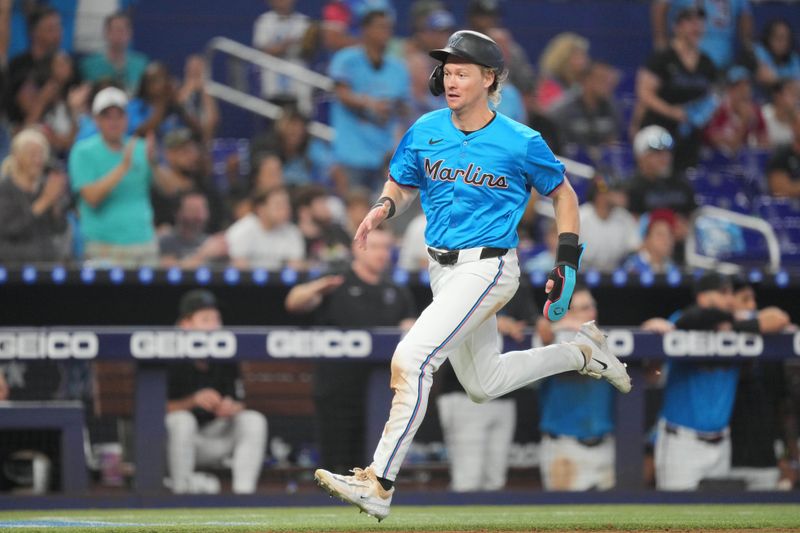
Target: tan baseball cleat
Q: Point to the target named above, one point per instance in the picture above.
(362, 489)
(600, 362)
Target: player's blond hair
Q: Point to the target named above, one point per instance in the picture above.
(497, 85)
(22, 139)
(554, 60)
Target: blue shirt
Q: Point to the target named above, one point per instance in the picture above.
(474, 187)
(576, 405)
(361, 142)
(788, 70)
(511, 104)
(722, 27)
(699, 397)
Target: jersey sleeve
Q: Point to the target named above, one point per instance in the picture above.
(542, 170)
(403, 166)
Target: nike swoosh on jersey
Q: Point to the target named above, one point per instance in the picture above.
(432, 141)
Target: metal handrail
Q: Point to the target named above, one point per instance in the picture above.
(694, 259)
(260, 59)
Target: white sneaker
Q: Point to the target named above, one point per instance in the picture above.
(601, 363)
(362, 489)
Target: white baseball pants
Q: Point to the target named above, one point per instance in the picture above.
(566, 464)
(478, 438)
(460, 323)
(683, 461)
(241, 438)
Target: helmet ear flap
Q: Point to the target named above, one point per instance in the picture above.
(436, 80)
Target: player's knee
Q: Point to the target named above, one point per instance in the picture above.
(181, 424)
(252, 424)
(477, 395)
(404, 366)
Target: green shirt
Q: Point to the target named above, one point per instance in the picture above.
(125, 216)
(97, 67)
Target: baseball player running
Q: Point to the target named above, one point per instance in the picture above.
(474, 169)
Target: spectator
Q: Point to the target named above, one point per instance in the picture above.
(539, 262)
(357, 205)
(371, 88)
(339, 27)
(783, 170)
(156, 108)
(117, 63)
(188, 166)
(609, 231)
(511, 103)
(478, 437)
(187, 244)
(589, 117)
(762, 411)
(39, 77)
(659, 245)
(280, 32)
(778, 112)
(362, 297)
(540, 121)
(413, 250)
(33, 202)
(737, 123)
(577, 417)
(326, 242)
(561, 64)
(304, 159)
(112, 175)
(656, 184)
(776, 55)
(268, 173)
(431, 31)
(196, 101)
(693, 441)
(207, 420)
(674, 88)
(266, 238)
(484, 16)
(730, 24)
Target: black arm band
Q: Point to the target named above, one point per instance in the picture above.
(392, 207)
(567, 252)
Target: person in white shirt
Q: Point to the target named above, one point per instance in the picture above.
(609, 231)
(413, 250)
(778, 112)
(266, 238)
(279, 32)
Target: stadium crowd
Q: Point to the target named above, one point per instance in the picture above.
(108, 160)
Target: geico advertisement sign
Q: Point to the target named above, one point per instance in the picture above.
(180, 344)
(48, 345)
(705, 343)
(319, 343)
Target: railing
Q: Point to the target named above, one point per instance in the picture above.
(696, 259)
(301, 76)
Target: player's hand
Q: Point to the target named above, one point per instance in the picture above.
(376, 215)
(207, 399)
(561, 280)
(228, 407)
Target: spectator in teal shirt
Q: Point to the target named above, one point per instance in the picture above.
(112, 175)
(117, 63)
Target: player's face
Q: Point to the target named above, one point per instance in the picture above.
(204, 320)
(465, 84)
(744, 299)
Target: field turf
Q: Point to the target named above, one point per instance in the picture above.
(461, 518)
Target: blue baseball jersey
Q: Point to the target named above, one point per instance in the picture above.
(576, 405)
(360, 142)
(474, 186)
(699, 398)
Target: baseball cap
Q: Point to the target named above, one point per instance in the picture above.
(440, 20)
(177, 137)
(652, 138)
(711, 281)
(109, 97)
(484, 7)
(194, 301)
(690, 10)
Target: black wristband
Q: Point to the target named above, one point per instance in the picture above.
(392, 207)
(568, 252)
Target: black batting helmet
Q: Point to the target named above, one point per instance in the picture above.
(470, 45)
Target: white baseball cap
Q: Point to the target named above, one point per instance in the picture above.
(652, 138)
(109, 97)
